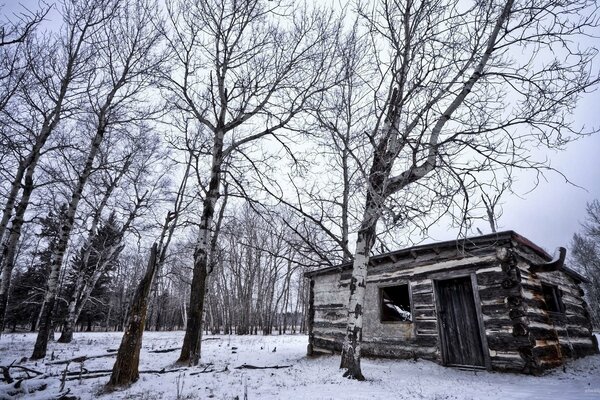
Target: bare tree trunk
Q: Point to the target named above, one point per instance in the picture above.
(125, 370)
(190, 350)
(351, 348)
(12, 198)
(80, 295)
(10, 248)
(64, 234)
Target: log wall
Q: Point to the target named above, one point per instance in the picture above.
(556, 336)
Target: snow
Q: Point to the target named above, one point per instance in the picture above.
(307, 378)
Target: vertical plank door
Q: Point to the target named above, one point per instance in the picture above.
(461, 340)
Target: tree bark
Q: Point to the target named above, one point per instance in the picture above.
(351, 350)
(190, 350)
(10, 248)
(12, 198)
(125, 370)
(64, 234)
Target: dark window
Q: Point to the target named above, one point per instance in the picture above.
(395, 303)
(553, 298)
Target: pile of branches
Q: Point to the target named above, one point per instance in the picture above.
(20, 381)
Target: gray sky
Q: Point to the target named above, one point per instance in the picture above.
(552, 212)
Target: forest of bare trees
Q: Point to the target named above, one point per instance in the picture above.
(180, 165)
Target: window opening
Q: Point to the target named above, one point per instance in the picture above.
(553, 298)
(395, 303)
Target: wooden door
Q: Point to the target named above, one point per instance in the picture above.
(457, 316)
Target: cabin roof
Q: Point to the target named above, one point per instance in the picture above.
(491, 241)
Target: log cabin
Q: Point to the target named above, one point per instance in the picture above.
(496, 302)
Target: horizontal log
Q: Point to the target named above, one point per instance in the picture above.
(426, 332)
(577, 320)
(582, 349)
(543, 334)
(425, 340)
(550, 352)
(495, 310)
(319, 325)
(399, 351)
(505, 341)
(327, 344)
(497, 323)
(425, 314)
(507, 361)
(330, 306)
(490, 293)
(491, 279)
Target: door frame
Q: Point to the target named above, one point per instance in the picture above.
(476, 299)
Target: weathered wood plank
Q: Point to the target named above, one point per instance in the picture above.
(426, 324)
(422, 288)
(424, 313)
(423, 298)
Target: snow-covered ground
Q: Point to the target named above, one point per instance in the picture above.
(306, 378)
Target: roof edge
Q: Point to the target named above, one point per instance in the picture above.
(466, 242)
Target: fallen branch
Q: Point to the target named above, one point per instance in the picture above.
(65, 396)
(76, 375)
(177, 348)
(162, 371)
(165, 350)
(87, 376)
(248, 366)
(85, 371)
(6, 374)
(206, 370)
(9, 379)
(80, 359)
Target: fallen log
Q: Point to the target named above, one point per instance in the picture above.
(248, 366)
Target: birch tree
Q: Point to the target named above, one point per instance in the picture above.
(131, 172)
(463, 88)
(243, 70)
(127, 61)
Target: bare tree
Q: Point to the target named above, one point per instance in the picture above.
(243, 71)
(491, 201)
(585, 253)
(125, 370)
(458, 102)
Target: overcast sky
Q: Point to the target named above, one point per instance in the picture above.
(550, 214)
